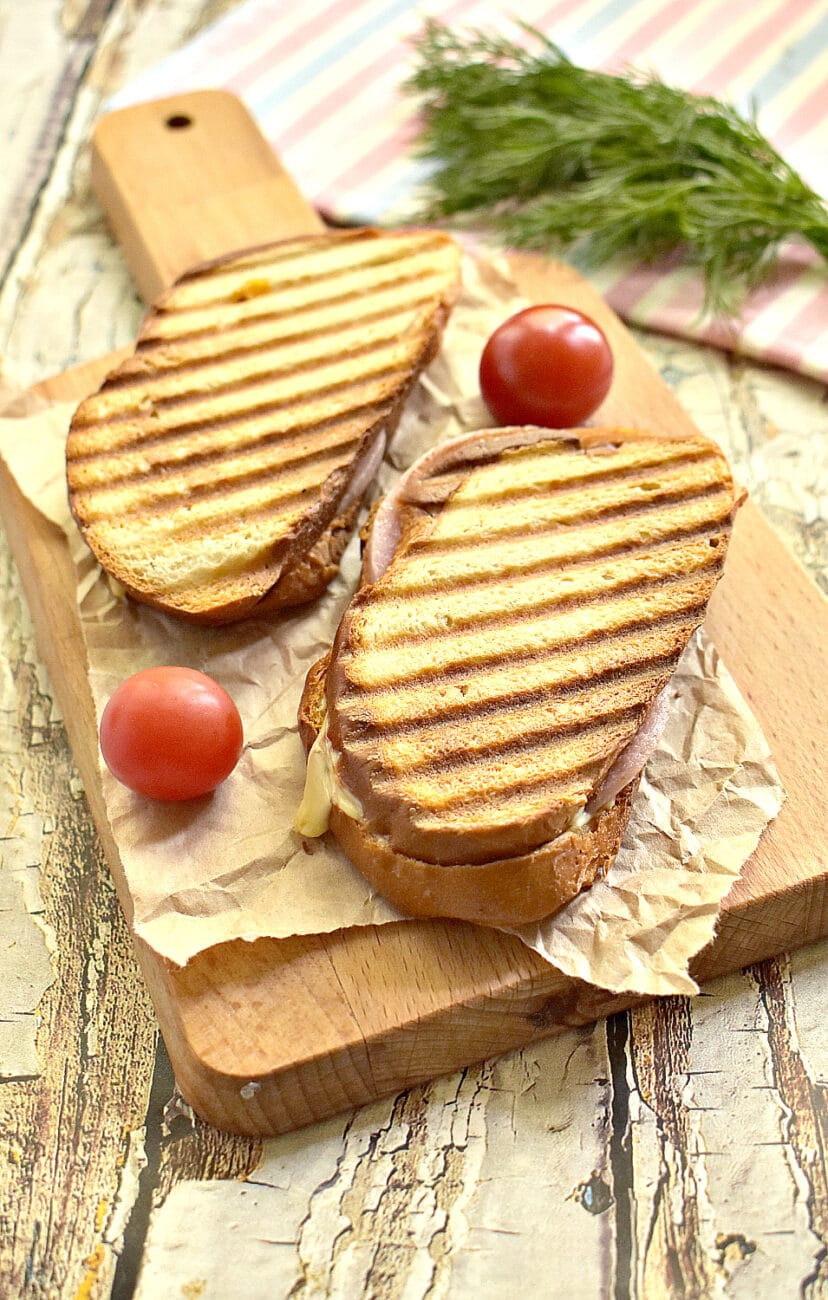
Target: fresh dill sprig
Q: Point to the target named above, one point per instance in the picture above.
(557, 157)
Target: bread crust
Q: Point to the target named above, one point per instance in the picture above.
(310, 576)
(312, 703)
(299, 584)
(504, 892)
(501, 892)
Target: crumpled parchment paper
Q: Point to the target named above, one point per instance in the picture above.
(229, 866)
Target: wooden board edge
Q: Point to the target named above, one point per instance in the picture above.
(536, 1002)
(363, 1061)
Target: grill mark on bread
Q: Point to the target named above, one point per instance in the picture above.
(221, 522)
(564, 486)
(361, 256)
(559, 545)
(691, 613)
(103, 470)
(709, 530)
(487, 774)
(531, 521)
(195, 513)
(253, 320)
(518, 722)
(505, 804)
(642, 643)
(264, 359)
(165, 494)
(273, 286)
(527, 638)
(218, 424)
(525, 745)
(520, 533)
(180, 328)
(377, 248)
(383, 371)
(250, 383)
(212, 443)
(177, 320)
(161, 469)
(537, 460)
(595, 474)
(635, 586)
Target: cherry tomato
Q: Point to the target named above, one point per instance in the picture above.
(171, 733)
(547, 365)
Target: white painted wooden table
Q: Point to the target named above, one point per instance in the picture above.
(678, 1151)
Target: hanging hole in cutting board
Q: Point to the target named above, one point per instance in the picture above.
(179, 121)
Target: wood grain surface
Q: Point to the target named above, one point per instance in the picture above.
(186, 180)
(366, 1012)
(674, 1151)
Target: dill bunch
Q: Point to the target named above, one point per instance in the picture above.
(556, 157)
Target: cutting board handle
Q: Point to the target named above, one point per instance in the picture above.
(189, 178)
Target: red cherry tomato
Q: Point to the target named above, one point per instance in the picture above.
(171, 733)
(547, 365)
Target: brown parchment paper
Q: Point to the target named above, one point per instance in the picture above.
(230, 866)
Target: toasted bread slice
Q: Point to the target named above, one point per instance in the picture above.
(218, 471)
(527, 597)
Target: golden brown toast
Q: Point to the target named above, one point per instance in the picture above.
(527, 602)
(218, 471)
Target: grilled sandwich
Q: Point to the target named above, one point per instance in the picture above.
(218, 472)
(498, 681)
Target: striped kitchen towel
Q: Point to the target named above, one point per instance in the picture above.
(323, 80)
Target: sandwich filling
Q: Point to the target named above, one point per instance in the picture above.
(323, 790)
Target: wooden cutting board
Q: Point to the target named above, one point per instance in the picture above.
(268, 1036)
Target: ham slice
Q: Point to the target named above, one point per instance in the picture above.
(364, 473)
(634, 757)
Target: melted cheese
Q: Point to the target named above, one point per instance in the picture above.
(581, 820)
(323, 790)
